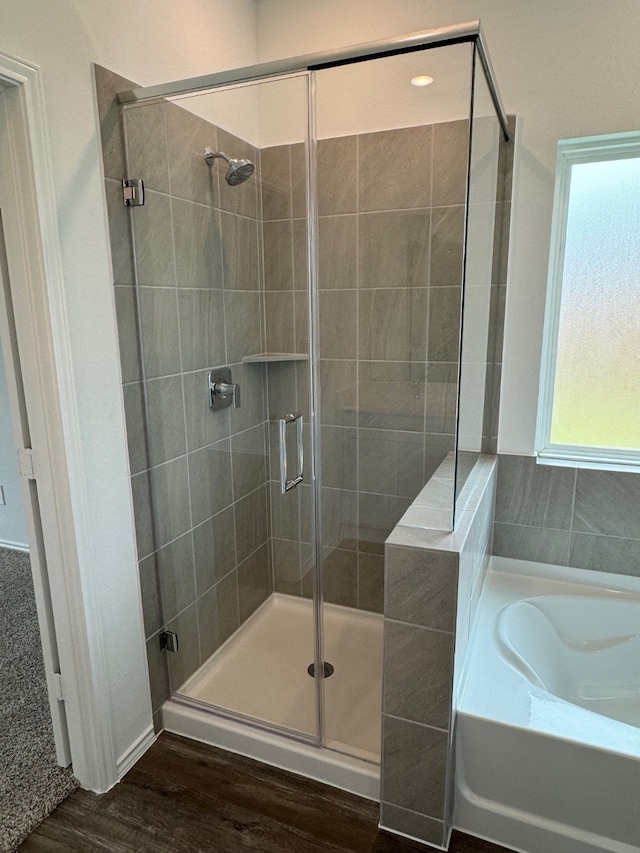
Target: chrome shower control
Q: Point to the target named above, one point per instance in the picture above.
(222, 391)
(226, 389)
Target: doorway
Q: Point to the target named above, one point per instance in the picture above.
(34, 746)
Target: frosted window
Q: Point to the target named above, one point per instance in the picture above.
(596, 392)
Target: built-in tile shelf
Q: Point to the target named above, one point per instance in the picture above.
(262, 357)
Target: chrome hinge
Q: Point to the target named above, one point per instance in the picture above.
(168, 641)
(56, 686)
(27, 463)
(133, 192)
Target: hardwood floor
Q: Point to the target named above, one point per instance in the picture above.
(185, 797)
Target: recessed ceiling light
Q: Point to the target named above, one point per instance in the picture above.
(422, 80)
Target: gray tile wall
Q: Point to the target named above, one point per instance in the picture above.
(433, 581)
(390, 266)
(205, 565)
(568, 516)
(198, 250)
(284, 211)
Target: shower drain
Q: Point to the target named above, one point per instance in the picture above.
(327, 670)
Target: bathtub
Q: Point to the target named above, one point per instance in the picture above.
(547, 733)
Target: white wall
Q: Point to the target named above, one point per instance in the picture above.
(567, 68)
(373, 96)
(150, 41)
(12, 529)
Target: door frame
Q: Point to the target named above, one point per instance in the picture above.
(29, 495)
(40, 362)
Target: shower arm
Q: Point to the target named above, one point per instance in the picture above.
(210, 155)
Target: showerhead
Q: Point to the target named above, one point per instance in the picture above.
(238, 171)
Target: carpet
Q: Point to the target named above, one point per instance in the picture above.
(31, 783)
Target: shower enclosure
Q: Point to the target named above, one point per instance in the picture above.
(299, 292)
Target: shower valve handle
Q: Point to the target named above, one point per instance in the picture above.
(222, 391)
(227, 389)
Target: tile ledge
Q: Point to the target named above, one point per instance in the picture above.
(424, 526)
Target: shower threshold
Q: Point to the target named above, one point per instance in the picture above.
(261, 673)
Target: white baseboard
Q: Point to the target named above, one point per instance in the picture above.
(135, 751)
(14, 546)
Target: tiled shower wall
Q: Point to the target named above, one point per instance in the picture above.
(567, 516)
(206, 566)
(390, 263)
(284, 210)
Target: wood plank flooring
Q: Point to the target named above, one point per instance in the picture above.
(186, 797)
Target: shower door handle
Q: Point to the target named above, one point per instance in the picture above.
(285, 484)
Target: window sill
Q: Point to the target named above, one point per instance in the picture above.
(582, 459)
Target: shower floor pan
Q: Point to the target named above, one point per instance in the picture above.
(261, 673)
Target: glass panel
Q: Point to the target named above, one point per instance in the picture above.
(480, 286)
(596, 389)
(222, 282)
(391, 171)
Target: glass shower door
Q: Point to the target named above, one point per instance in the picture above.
(391, 181)
(225, 459)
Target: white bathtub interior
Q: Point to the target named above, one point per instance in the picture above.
(582, 649)
(537, 768)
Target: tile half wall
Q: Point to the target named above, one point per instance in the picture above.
(433, 580)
